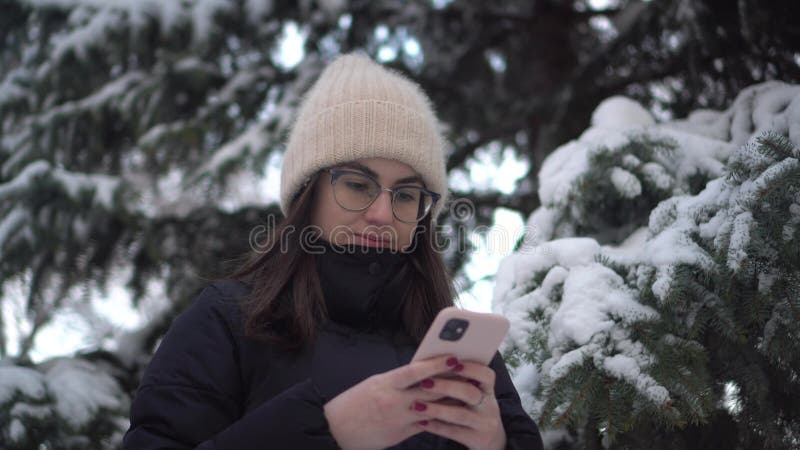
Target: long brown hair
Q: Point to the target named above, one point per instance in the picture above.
(285, 305)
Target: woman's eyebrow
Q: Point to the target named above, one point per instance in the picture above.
(411, 179)
(361, 167)
(373, 174)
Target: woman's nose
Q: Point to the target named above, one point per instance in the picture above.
(380, 211)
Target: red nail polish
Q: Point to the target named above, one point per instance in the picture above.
(458, 368)
(452, 362)
(420, 406)
(475, 383)
(426, 383)
(423, 422)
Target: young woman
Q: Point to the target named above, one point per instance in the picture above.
(308, 345)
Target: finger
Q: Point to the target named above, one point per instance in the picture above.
(434, 398)
(480, 373)
(438, 387)
(414, 372)
(487, 402)
(455, 415)
(450, 401)
(424, 395)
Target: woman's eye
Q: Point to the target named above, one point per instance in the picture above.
(356, 186)
(406, 196)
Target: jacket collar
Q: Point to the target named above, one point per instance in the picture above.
(363, 287)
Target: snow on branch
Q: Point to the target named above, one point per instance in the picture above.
(23, 181)
(248, 143)
(73, 392)
(107, 94)
(649, 235)
(113, 14)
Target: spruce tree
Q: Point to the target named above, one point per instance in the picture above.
(658, 307)
(130, 129)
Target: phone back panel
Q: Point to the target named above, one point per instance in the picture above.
(478, 343)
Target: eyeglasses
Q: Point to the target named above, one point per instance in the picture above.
(356, 191)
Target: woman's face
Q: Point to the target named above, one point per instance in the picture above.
(374, 226)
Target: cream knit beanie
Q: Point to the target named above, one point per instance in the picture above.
(359, 109)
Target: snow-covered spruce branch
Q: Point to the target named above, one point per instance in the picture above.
(689, 248)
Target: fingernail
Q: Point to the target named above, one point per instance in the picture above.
(475, 383)
(452, 362)
(423, 422)
(426, 383)
(418, 406)
(458, 368)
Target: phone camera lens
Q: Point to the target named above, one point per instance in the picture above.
(453, 329)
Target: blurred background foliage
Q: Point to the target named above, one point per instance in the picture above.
(140, 140)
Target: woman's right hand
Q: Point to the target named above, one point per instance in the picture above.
(378, 412)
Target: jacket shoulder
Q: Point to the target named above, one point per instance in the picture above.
(230, 289)
(220, 300)
(206, 334)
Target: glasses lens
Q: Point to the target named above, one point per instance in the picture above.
(411, 203)
(353, 191)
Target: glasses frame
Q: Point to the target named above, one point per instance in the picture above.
(336, 173)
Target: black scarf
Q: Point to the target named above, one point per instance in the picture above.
(363, 287)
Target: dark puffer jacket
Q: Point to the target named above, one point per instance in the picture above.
(208, 387)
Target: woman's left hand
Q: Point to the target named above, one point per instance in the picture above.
(475, 424)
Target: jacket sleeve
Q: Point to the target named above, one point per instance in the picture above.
(191, 394)
(521, 431)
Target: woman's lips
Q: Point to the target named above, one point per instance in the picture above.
(371, 240)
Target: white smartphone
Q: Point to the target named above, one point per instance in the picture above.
(467, 335)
